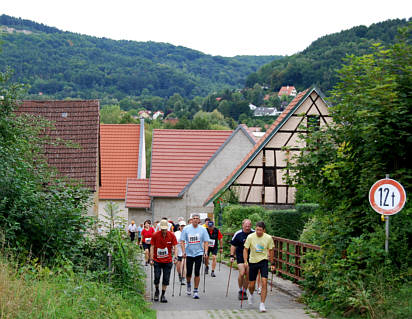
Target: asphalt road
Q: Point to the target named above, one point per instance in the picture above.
(214, 304)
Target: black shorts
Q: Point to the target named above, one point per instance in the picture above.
(189, 265)
(146, 246)
(255, 267)
(158, 267)
(212, 250)
(179, 258)
(239, 259)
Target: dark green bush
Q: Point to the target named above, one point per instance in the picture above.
(287, 223)
(233, 215)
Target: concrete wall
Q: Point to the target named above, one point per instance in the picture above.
(171, 208)
(139, 215)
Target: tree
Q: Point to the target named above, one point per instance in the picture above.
(41, 214)
(369, 137)
(110, 114)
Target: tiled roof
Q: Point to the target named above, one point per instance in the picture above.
(286, 90)
(258, 145)
(77, 122)
(178, 155)
(119, 148)
(137, 193)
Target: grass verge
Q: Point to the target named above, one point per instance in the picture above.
(49, 294)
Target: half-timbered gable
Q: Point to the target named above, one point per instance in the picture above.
(260, 176)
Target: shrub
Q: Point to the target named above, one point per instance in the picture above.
(287, 223)
(233, 215)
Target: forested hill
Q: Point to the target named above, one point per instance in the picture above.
(317, 64)
(64, 64)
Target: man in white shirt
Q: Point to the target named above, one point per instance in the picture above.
(132, 230)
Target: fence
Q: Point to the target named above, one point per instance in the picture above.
(288, 255)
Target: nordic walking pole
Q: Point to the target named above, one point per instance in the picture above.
(151, 282)
(241, 300)
(204, 274)
(271, 284)
(183, 273)
(220, 261)
(174, 276)
(228, 280)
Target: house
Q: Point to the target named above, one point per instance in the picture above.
(123, 156)
(145, 114)
(266, 111)
(252, 107)
(287, 90)
(260, 177)
(186, 166)
(76, 122)
(158, 114)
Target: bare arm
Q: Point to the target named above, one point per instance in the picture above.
(245, 254)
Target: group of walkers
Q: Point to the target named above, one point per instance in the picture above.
(190, 245)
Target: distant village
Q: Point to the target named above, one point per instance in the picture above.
(189, 169)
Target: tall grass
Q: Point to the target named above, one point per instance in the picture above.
(47, 293)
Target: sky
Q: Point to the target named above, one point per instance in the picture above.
(216, 27)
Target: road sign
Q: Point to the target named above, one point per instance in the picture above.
(387, 197)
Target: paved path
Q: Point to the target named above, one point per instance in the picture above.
(214, 304)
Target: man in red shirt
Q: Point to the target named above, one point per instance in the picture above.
(162, 245)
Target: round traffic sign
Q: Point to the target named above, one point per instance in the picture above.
(387, 197)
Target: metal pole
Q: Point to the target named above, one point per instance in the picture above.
(387, 228)
(109, 264)
(387, 234)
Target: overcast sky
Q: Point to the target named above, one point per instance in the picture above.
(217, 27)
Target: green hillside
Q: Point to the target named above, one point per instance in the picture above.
(64, 64)
(317, 64)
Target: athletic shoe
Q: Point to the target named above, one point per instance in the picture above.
(245, 295)
(163, 299)
(262, 307)
(182, 281)
(251, 299)
(207, 270)
(259, 291)
(195, 295)
(188, 290)
(240, 295)
(156, 295)
(212, 274)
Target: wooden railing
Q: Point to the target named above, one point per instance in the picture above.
(288, 255)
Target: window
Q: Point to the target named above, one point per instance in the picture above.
(268, 176)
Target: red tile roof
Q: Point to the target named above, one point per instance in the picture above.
(77, 122)
(137, 193)
(119, 148)
(286, 90)
(262, 140)
(178, 155)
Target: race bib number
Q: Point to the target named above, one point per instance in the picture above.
(148, 240)
(259, 248)
(194, 239)
(162, 252)
(211, 243)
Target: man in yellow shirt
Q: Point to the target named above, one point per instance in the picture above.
(261, 246)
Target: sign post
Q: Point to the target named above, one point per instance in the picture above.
(387, 197)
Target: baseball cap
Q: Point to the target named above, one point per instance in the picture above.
(210, 224)
(163, 224)
(182, 223)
